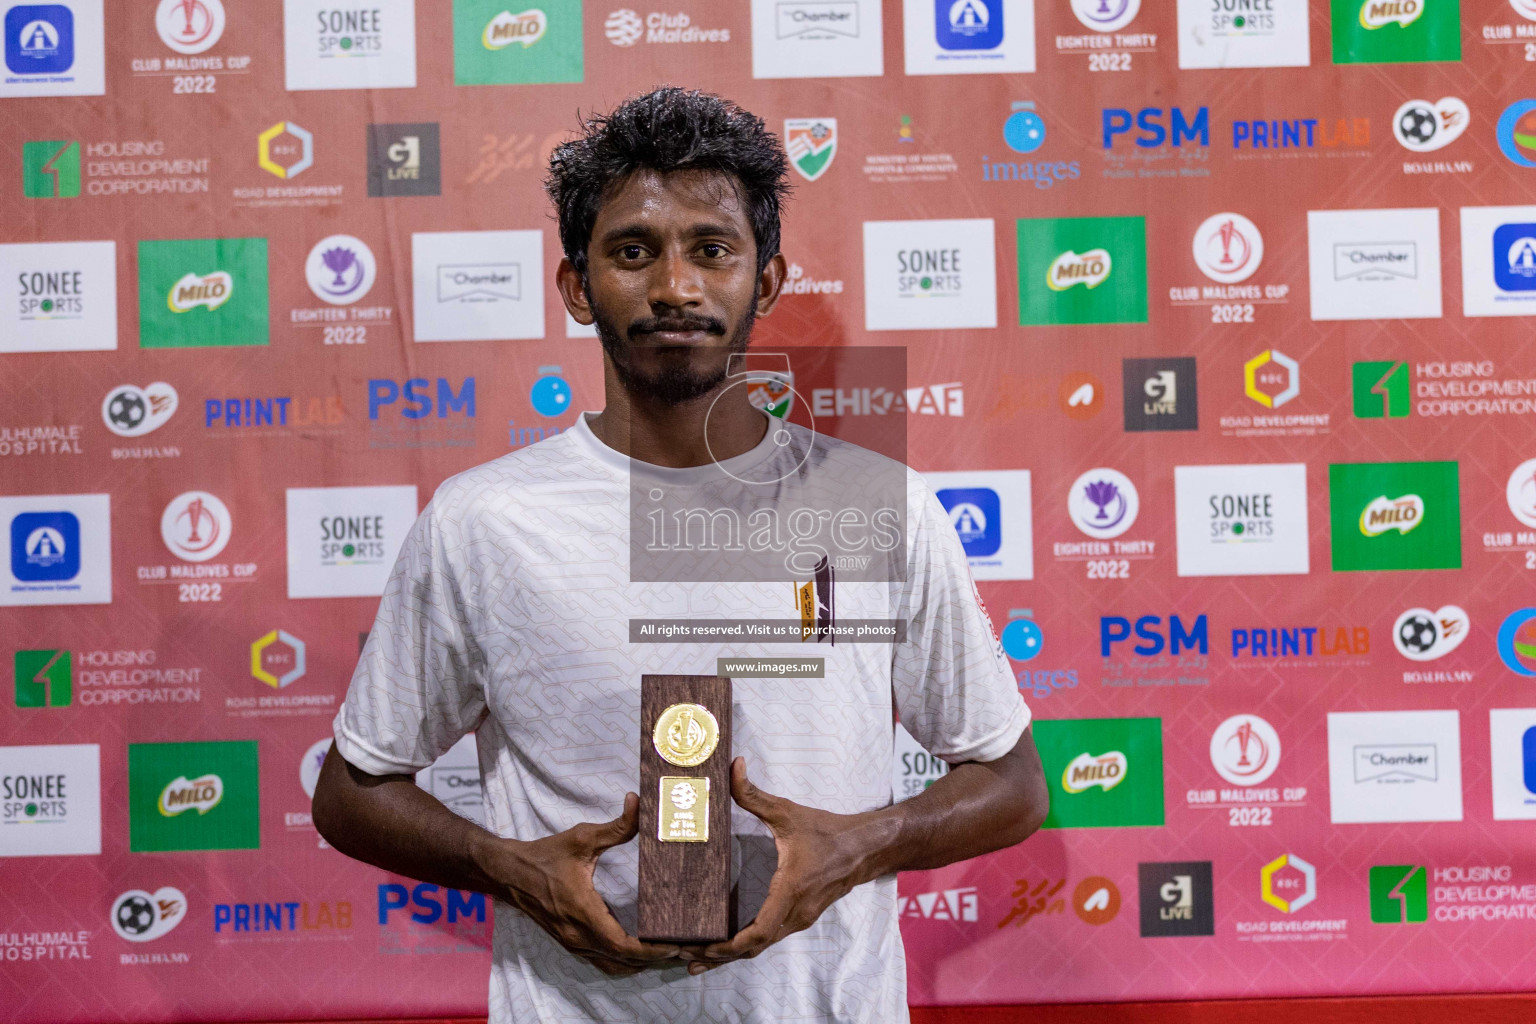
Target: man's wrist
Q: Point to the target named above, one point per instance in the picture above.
(875, 838)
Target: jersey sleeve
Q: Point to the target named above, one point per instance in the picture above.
(953, 687)
(419, 685)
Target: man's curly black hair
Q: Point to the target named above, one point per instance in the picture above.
(668, 129)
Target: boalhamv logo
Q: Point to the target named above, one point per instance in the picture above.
(1376, 14)
(1383, 515)
(201, 794)
(1090, 269)
(508, 28)
(1085, 771)
(193, 290)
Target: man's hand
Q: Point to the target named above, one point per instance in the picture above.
(821, 857)
(550, 880)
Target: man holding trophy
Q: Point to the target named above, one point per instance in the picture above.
(565, 603)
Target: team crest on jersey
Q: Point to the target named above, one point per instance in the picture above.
(811, 143)
(815, 602)
(772, 391)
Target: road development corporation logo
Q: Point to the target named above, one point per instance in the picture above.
(1104, 772)
(1424, 635)
(1228, 248)
(196, 526)
(190, 26)
(340, 269)
(193, 796)
(1517, 642)
(1103, 503)
(140, 916)
(811, 144)
(277, 659)
(50, 800)
(1399, 894)
(1394, 515)
(1288, 883)
(1245, 750)
(1424, 127)
(1272, 378)
(1106, 15)
(1176, 899)
(1394, 766)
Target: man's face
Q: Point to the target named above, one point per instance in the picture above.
(672, 282)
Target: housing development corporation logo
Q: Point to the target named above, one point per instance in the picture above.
(1399, 894)
(50, 169)
(1380, 389)
(1104, 772)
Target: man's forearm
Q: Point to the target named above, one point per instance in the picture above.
(390, 822)
(975, 808)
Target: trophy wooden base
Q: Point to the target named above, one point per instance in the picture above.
(685, 814)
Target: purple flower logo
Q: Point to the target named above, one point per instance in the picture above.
(1103, 503)
(340, 269)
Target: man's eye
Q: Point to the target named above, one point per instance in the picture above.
(713, 251)
(632, 252)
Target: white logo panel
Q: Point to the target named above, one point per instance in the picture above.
(1391, 766)
(1374, 264)
(478, 285)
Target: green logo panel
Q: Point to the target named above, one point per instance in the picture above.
(44, 679)
(1399, 894)
(203, 293)
(1103, 772)
(1380, 390)
(1082, 270)
(50, 170)
(490, 43)
(1396, 31)
(193, 796)
(1394, 515)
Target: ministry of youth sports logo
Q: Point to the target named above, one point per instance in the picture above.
(340, 269)
(811, 143)
(1103, 503)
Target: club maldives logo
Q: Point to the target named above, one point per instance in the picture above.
(1425, 127)
(1103, 503)
(195, 526)
(182, 794)
(811, 144)
(1086, 770)
(1090, 269)
(1517, 642)
(190, 26)
(1245, 750)
(1383, 515)
(1106, 15)
(132, 411)
(1520, 492)
(340, 269)
(506, 28)
(140, 916)
(1228, 248)
(1424, 635)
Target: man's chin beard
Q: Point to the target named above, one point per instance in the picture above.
(676, 383)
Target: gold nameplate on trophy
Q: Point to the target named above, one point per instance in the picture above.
(684, 810)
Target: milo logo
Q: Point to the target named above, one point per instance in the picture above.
(201, 794)
(193, 290)
(1087, 770)
(1384, 515)
(1089, 269)
(1375, 14)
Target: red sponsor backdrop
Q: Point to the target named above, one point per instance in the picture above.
(340, 948)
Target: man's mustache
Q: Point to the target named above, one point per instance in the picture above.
(653, 324)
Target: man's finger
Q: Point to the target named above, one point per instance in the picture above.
(763, 804)
(762, 932)
(610, 940)
(618, 831)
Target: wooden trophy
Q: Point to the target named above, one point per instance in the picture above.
(685, 809)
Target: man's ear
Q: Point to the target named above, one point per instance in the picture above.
(573, 293)
(770, 282)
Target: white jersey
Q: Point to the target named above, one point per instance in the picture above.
(508, 613)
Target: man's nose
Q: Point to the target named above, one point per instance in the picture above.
(675, 282)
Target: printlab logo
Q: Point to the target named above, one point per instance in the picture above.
(196, 526)
(1082, 270)
(1106, 15)
(811, 144)
(1399, 894)
(1424, 127)
(1272, 378)
(1380, 389)
(1105, 772)
(340, 269)
(132, 411)
(1245, 750)
(1288, 883)
(1395, 31)
(1103, 503)
(44, 679)
(1176, 899)
(1395, 515)
(140, 916)
(403, 160)
(190, 26)
(1159, 394)
(50, 169)
(495, 44)
(1228, 248)
(1424, 635)
(1517, 642)
(193, 796)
